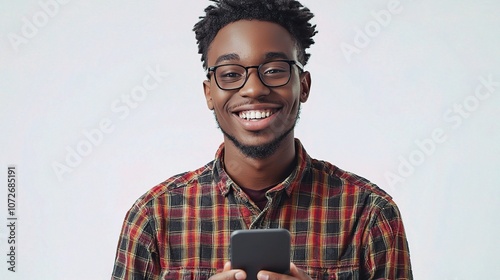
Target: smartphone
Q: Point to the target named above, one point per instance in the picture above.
(260, 249)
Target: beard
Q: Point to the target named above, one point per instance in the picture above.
(260, 151)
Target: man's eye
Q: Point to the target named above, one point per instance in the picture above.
(275, 71)
(230, 75)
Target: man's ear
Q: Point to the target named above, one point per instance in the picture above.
(305, 86)
(208, 96)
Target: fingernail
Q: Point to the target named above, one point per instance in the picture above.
(262, 276)
(239, 276)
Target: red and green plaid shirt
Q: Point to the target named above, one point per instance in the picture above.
(342, 226)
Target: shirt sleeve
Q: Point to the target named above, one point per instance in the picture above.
(386, 253)
(136, 257)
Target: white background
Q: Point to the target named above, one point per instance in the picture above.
(62, 77)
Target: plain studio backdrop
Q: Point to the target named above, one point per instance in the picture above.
(100, 101)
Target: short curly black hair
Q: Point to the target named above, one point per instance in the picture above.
(290, 14)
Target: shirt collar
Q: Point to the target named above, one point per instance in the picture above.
(224, 183)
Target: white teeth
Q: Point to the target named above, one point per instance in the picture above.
(254, 115)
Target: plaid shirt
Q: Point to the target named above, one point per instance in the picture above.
(342, 226)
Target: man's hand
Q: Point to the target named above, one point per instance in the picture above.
(229, 274)
(295, 273)
(238, 274)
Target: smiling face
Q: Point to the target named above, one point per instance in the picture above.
(256, 118)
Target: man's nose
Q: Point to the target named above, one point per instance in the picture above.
(254, 87)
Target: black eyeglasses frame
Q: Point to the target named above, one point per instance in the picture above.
(290, 63)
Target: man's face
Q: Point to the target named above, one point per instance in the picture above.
(256, 118)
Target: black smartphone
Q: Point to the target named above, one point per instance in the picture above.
(260, 249)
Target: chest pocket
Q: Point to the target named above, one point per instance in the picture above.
(187, 273)
(340, 273)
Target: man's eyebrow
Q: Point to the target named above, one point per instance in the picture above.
(274, 55)
(229, 56)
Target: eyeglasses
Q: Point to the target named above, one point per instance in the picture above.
(272, 74)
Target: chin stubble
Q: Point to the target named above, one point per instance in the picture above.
(259, 151)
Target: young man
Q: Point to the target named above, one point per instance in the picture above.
(342, 226)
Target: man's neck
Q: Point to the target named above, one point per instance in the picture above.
(257, 174)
